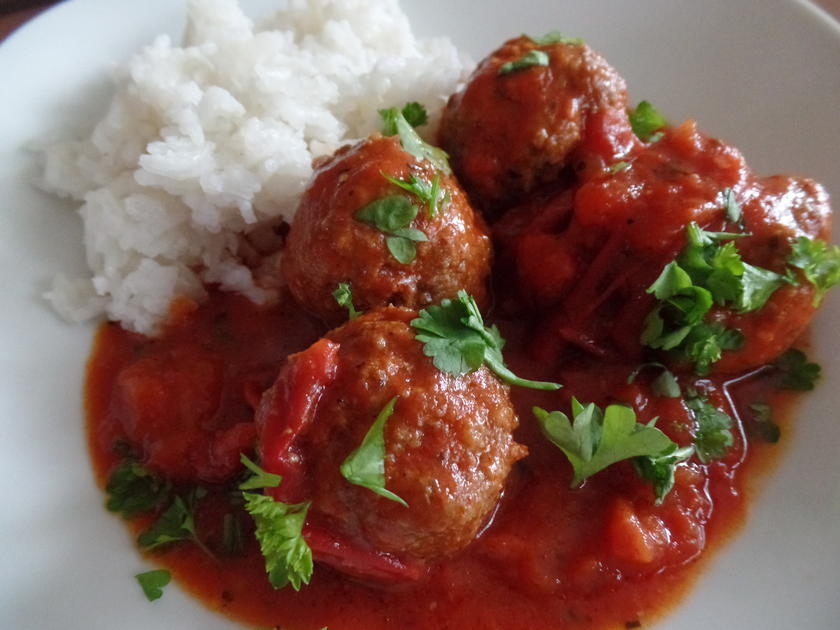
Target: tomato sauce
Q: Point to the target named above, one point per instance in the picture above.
(601, 556)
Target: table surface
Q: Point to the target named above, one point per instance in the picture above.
(9, 21)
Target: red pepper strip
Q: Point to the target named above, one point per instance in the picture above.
(363, 563)
(287, 409)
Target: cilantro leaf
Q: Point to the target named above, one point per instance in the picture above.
(596, 439)
(429, 193)
(705, 343)
(132, 489)
(260, 479)
(660, 469)
(343, 295)
(279, 530)
(453, 334)
(818, 261)
(714, 435)
(392, 216)
(555, 37)
(395, 123)
(797, 372)
(153, 582)
(365, 466)
(414, 114)
(646, 120)
(761, 424)
(665, 385)
(528, 60)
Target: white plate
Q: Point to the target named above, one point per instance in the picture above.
(763, 74)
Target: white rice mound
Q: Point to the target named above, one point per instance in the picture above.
(207, 143)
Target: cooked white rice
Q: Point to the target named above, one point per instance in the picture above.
(205, 143)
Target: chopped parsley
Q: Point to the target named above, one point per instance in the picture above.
(761, 425)
(595, 439)
(555, 37)
(153, 583)
(260, 478)
(714, 427)
(796, 371)
(455, 337)
(176, 524)
(344, 297)
(818, 261)
(660, 469)
(413, 113)
(132, 490)
(647, 121)
(732, 208)
(429, 192)
(618, 167)
(665, 385)
(392, 216)
(396, 123)
(528, 60)
(365, 466)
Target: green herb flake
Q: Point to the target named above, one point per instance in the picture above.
(595, 439)
(395, 123)
(530, 59)
(618, 167)
(132, 490)
(365, 466)
(153, 583)
(818, 261)
(415, 114)
(732, 208)
(453, 334)
(796, 371)
(176, 524)
(713, 436)
(646, 121)
(665, 385)
(392, 216)
(660, 469)
(279, 530)
(343, 296)
(762, 426)
(430, 193)
(260, 478)
(555, 37)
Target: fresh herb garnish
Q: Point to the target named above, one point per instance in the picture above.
(365, 466)
(714, 427)
(395, 123)
(732, 208)
(454, 336)
(153, 582)
(665, 385)
(392, 216)
(260, 478)
(414, 113)
(618, 167)
(762, 425)
(132, 489)
(555, 37)
(796, 371)
(528, 60)
(646, 121)
(343, 296)
(279, 530)
(429, 192)
(596, 439)
(176, 524)
(818, 261)
(660, 469)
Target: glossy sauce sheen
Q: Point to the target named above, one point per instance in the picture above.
(551, 558)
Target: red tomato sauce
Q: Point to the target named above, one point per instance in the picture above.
(601, 556)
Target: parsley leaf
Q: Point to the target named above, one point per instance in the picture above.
(260, 478)
(153, 582)
(665, 385)
(365, 466)
(660, 469)
(279, 530)
(414, 114)
(395, 123)
(596, 439)
(454, 336)
(132, 490)
(528, 60)
(819, 263)
(714, 435)
(646, 121)
(392, 216)
(176, 524)
(732, 208)
(797, 372)
(555, 37)
(343, 295)
(761, 425)
(429, 193)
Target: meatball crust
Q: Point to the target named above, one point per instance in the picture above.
(510, 133)
(327, 245)
(448, 442)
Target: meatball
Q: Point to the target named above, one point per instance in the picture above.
(328, 245)
(508, 133)
(448, 442)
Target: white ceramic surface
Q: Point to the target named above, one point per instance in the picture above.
(763, 74)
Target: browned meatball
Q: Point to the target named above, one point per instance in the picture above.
(509, 133)
(328, 245)
(448, 443)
